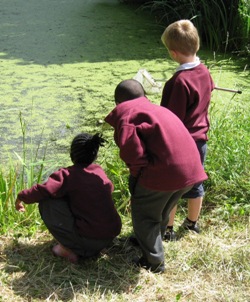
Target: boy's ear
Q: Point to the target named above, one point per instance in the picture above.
(173, 54)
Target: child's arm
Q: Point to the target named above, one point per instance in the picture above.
(132, 150)
(53, 188)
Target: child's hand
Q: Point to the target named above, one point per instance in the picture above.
(19, 206)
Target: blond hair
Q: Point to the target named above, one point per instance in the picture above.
(181, 36)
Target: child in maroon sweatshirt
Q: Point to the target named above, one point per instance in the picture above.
(163, 160)
(187, 94)
(76, 204)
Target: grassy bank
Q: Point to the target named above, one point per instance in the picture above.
(212, 266)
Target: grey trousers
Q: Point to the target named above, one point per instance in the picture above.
(150, 215)
(60, 222)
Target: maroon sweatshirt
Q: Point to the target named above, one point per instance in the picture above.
(187, 94)
(88, 191)
(155, 145)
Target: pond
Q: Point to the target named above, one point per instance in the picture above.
(60, 63)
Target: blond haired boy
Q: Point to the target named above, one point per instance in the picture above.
(188, 94)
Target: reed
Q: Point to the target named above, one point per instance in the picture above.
(223, 25)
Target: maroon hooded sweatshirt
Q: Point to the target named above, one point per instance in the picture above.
(155, 145)
(89, 193)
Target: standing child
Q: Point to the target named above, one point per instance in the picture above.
(76, 203)
(187, 94)
(163, 161)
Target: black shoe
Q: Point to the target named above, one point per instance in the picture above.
(191, 226)
(169, 235)
(154, 268)
(134, 240)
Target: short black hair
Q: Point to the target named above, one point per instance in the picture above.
(128, 90)
(84, 148)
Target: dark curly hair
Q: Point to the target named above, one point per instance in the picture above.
(84, 148)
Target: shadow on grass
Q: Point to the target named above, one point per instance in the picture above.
(36, 274)
(65, 32)
(60, 32)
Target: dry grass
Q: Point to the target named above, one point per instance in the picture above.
(213, 266)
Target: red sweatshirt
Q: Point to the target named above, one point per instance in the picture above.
(188, 94)
(88, 191)
(155, 145)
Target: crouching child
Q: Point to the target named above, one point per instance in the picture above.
(76, 203)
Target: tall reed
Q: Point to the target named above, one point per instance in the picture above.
(118, 174)
(222, 24)
(22, 172)
(227, 163)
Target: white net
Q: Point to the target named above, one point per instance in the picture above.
(149, 84)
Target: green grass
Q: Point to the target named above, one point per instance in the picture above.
(228, 158)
